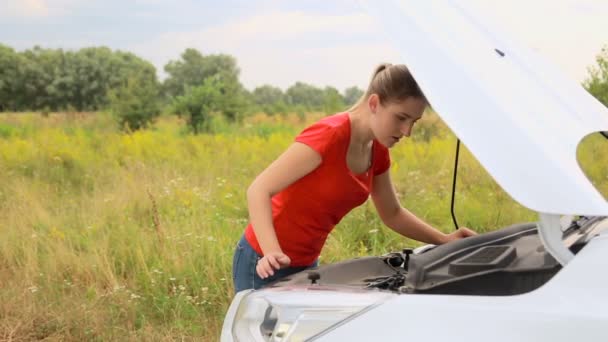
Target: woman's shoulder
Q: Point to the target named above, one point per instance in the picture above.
(335, 120)
(338, 122)
(325, 133)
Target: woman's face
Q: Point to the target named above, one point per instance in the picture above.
(393, 120)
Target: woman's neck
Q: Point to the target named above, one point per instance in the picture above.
(361, 131)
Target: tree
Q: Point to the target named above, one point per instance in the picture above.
(135, 104)
(597, 83)
(38, 68)
(269, 99)
(92, 72)
(232, 100)
(184, 73)
(332, 100)
(193, 69)
(305, 96)
(53, 79)
(83, 83)
(267, 94)
(198, 104)
(9, 78)
(352, 95)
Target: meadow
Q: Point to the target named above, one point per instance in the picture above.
(106, 235)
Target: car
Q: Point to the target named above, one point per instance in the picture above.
(535, 281)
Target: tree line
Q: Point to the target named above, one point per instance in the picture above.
(197, 86)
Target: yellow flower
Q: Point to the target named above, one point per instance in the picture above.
(57, 234)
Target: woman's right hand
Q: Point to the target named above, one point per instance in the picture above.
(270, 262)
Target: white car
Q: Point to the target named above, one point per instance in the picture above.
(541, 281)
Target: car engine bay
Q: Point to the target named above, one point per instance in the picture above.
(508, 261)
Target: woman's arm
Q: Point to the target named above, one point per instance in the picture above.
(402, 220)
(296, 162)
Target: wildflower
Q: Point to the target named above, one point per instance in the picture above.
(57, 234)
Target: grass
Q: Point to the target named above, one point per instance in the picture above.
(112, 236)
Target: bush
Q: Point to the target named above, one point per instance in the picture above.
(135, 104)
(198, 103)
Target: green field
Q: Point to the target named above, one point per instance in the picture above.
(113, 236)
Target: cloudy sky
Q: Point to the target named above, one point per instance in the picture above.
(323, 42)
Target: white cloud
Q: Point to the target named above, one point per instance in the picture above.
(272, 48)
(270, 27)
(37, 8)
(290, 25)
(24, 8)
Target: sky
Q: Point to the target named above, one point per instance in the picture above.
(321, 42)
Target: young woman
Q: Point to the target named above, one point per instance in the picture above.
(332, 167)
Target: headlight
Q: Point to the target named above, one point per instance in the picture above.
(293, 314)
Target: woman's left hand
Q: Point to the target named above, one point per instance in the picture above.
(461, 233)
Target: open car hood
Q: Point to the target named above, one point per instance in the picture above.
(515, 112)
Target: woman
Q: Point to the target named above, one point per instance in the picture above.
(333, 167)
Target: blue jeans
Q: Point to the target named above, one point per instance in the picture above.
(244, 275)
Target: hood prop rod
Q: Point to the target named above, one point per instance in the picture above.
(454, 183)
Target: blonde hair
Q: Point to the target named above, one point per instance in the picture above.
(392, 83)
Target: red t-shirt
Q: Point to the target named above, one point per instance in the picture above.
(307, 210)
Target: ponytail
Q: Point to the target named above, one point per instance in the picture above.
(392, 83)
